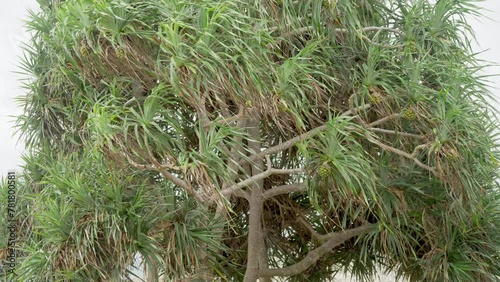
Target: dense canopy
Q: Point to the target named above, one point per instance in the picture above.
(231, 140)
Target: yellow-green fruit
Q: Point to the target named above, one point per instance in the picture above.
(409, 114)
(413, 47)
(324, 171)
(282, 108)
(330, 3)
(84, 51)
(494, 160)
(452, 154)
(375, 99)
(120, 53)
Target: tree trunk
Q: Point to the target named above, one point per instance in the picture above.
(263, 261)
(254, 239)
(255, 235)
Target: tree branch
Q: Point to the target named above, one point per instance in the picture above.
(335, 239)
(400, 152)
(392, 132)
(291, 142)
(255, 241)
(148, 166)
(163, 169)
(230, 190)
(176, 180)
(385, 119)
(284, 189)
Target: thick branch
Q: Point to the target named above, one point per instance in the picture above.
(176, 180)
(335, 239)
(228, 191)
(284, 189)
(385, 119)
(291, 142)
(255, 237)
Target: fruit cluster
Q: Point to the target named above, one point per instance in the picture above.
(409, 114)
(84, 51)
(375, 99)
(120, 53)
(324, 170)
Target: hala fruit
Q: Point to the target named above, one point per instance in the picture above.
(409, 114)
(324, 170)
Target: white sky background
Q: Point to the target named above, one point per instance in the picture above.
(12, 14)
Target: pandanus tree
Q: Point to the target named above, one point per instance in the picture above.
(236, 140)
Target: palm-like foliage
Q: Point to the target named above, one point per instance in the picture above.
(242, 139)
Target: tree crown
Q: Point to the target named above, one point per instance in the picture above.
(246, 139)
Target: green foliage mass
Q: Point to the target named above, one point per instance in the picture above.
(223, 140)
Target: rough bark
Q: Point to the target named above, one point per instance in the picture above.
(255, 236)
(335, 239)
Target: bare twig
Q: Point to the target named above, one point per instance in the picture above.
(399, 152)
(149, 166)
(163, 169)
(353, 111)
